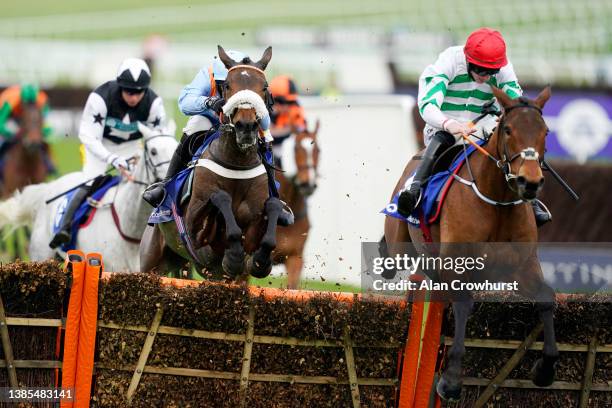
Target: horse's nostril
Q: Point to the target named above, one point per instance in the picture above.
(532, 186)
(541, 183)
(521, 180)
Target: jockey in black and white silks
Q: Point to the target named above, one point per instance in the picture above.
(109, 129)
(109, 126)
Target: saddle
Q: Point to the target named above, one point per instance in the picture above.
(84, 214)
(434, 192)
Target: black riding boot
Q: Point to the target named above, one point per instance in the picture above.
(409, 198)
(154, 194)
(542, 215)
(64, 235)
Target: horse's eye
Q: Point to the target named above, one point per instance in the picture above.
(153, 152)
(507, 130)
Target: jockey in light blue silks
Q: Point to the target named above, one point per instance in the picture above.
(203, 101)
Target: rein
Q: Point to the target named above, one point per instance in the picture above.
(231, 166)
(503, 164)
(150, 168)
(117, 221)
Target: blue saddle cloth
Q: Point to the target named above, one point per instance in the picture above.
(174, 186)
(82, 213)
(427, 208)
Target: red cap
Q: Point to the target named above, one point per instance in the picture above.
(486, 48)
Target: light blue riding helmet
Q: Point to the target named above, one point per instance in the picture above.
(219, 70)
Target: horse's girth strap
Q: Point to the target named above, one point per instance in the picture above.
(229, 173)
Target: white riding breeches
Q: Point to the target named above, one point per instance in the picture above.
(197, 123)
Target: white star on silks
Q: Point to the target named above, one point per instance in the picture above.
(121, 133)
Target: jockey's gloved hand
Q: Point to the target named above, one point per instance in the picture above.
(457, 129)
(214, 103)
(118, 162)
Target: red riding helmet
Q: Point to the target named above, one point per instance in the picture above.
(486, 48)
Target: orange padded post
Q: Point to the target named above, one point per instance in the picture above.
(75, 263)
(411, 356)
(87, 331)
(429, 354)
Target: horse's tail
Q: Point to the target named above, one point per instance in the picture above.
(20, 209)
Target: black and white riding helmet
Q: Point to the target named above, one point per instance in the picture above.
(134, 73)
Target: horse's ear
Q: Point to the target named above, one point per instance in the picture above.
(265, 59)
(225, 59)
(543, 97)
(316, 129)
(504, 100)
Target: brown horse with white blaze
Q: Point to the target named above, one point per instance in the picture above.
(296, 187)
(230, 218)
(509, 175)
(24, 162)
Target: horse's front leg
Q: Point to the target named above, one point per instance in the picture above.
(260, 264)
(543, 371)
(449, 386)
(532, 285)
(233, 259)
(151, 249)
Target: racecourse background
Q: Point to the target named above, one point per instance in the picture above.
(355, 63)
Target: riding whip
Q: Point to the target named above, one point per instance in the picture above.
(82, 184)
(557, 177)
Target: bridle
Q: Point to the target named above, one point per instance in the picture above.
(527, 154)
(504, 163)
(268, 99)
(27, 126)
(310, 165)
(150, 166)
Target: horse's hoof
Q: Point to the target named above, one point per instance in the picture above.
(448, 392)
(259, 269)
(389, 273)
(543, 374)
(233, 265)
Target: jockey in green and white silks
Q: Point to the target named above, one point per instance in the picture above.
(448, 93)
(451, 94)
